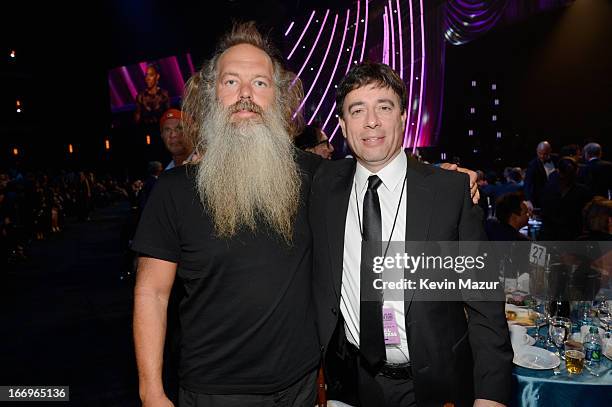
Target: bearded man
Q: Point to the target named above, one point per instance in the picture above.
(234, 229)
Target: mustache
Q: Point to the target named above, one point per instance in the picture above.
(245, 104)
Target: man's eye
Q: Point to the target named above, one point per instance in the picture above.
(230, 82)
(356, 112)
(261, 84)
(385, 108)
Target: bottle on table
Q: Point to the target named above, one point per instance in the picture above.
(592, 347)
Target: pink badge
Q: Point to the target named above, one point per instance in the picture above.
(390, 328)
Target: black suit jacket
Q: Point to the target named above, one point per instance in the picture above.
(453, 358)
(536, 180)
(597, 175)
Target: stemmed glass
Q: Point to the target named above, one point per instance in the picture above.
(540, 308)
(559, 330)
(603, 312)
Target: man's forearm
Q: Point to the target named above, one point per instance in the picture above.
(150, 315)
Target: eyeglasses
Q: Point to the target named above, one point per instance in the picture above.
(169, 130)
(326, 142)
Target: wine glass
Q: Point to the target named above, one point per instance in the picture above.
(559, 330)
(538, 307)
(603, 312)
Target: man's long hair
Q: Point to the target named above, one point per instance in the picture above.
(248, 172)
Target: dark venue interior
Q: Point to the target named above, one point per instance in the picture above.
(487, 84)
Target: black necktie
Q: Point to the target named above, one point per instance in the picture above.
(371, 338)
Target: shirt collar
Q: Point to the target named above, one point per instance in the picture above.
(391, 174)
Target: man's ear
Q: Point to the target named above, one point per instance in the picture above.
(342, 126)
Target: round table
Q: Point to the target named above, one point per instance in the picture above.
(535, 388)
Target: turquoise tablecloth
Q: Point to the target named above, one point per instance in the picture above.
(533, 388)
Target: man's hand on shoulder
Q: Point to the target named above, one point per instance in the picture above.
(487, 403)
(473, 177)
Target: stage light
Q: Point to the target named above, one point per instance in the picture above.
(316, 21)
(473, 84)
(443, 156)
(107, 144)
(494, 86)
(472, 110)
(496, 102)
(18, 110)
(362, 20)
(15, 152)
(18, 106)
(70, 149)
(289, 29)
(13, 54)
(470, 132)
(148, 140)
(499, 135)
(494, 118)
(475, 151)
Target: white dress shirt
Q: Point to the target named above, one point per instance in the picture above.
(389, 193)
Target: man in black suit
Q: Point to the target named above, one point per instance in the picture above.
(538, 171)
(457, 352)
(597, 173)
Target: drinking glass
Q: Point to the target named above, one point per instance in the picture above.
(603, 312)
(539, 306)
(559, 330)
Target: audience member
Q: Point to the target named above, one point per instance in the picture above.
(597, 173)
(314, 140)
(562, 202)
(538, 172)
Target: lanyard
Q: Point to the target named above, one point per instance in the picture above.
(396, 212)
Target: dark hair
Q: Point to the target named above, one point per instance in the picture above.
(567, 167)
(515, 174)
(569, 150)
(596, 214)
(367, 73)
(508, 204)
(154, 66)
(308, 138)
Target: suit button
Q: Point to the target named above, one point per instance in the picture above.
(334, 311)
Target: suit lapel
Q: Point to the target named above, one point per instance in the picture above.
(419, 208)
(335, 213)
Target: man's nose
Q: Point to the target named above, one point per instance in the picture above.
(246, 92)
(372, 120)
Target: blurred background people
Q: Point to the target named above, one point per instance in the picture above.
(562, 200)
(538, 172)
(178, 145)
(597, 173)
(511, 215)
(314, 140)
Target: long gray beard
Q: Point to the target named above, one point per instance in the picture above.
(248, 173)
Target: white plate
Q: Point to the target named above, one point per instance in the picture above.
(533, 357)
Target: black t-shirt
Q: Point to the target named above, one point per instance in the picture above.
(247, 318)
